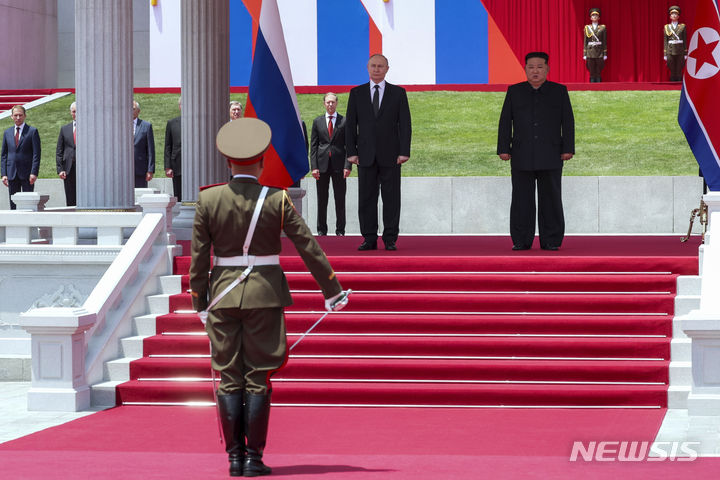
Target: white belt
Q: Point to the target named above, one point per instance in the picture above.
(244, 261)
(674, 42)
(592, 44)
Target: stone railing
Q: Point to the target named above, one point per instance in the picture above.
(703, 325)
(70, 344)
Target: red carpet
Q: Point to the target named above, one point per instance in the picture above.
(346, 443)
(457, 321)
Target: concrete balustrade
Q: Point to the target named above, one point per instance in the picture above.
(703, 325)
(70, 344)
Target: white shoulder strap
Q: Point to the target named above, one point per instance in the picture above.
(253, 222)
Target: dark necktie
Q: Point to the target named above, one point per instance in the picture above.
(17, 136)
(376, 99)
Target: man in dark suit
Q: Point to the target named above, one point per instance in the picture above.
(20, 155)
(65, 158)
(173, 158)
(329, 161)
(537, 131)
(377, 137)
(144, 149)
(246, 326)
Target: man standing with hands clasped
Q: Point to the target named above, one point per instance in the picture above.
(377, 137)
(329, 161)
(536, 133)
(21, 152)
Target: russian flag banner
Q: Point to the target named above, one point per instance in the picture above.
(699, 101)
(271, 98)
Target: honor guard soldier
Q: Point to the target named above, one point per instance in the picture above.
(675, 46)
(247, 288)
(595, 46)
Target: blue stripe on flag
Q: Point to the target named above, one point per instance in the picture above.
(698, 142)
(273, 104)
(461, 42)
(343, 42)
(240, 44)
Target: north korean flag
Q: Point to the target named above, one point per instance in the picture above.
(699, 113)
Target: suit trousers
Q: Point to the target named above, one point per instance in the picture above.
(70, 185)
(18, 185)
(248, 346)
(323, 192)
(372, 180)
(177, 187)
(140, 181)
(551, 221)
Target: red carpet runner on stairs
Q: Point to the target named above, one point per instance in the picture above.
(560, 329)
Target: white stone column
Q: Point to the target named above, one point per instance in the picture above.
(205, 92)
(104, 88)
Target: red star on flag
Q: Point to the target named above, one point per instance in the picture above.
(703, 53)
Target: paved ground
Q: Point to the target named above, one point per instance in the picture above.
(15, 419)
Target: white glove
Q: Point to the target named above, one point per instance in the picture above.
(203, 316)
(665, 58)
(338, 302)
(605, 57)
(584, 57)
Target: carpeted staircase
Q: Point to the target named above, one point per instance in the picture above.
(10, 98)
(449, 331)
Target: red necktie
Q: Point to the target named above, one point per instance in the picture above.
(17, 136)
(74, 135)
(330, 126)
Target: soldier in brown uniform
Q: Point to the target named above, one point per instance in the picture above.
(675, 46)
(595, 46)
(246, 326)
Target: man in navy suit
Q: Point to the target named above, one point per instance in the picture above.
(20, 155)
(328, 161)
(173, 153)
(65, 158)
(536, 133)
(377, 137)
(144, 149)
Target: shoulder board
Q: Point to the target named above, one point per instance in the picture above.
(205, 187)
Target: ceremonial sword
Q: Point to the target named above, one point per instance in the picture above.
(336, 305)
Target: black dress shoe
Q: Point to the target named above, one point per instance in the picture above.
(321, 234)
(340, 234)
(366, 245)
(547, 247)
(521, 247)
(390, 246)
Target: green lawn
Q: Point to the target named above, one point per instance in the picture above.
(455, 133)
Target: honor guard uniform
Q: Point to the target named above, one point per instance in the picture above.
(675, 46)
(595, 46)
(247, 288)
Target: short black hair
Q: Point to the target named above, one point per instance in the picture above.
(542, 55)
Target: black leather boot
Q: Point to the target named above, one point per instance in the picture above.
(257, 416)
(233, 426)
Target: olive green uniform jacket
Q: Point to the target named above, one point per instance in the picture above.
(594, 44)
(222, 217)
(674, 40)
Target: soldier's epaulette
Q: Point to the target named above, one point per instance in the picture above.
(205, 187)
